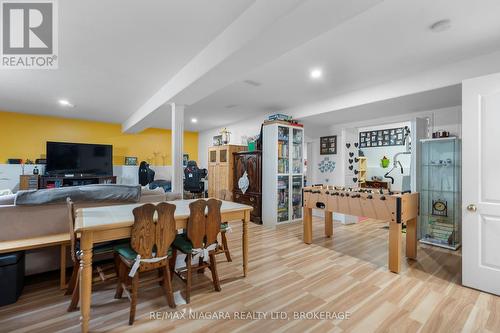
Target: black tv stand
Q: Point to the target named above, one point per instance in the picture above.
(77, 180)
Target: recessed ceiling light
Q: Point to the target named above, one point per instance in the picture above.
(194, 120)
(66, 103)
(316, 73)
(440, 26)
(252, 83)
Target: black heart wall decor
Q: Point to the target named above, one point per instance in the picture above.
(356, 144)
(351, 154)
(355, 179)
(348, 145)
(356, 172)
(356, 159)
(351, 167)
(350, 161)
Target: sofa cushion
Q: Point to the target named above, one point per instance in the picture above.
(163, 183)
(145, 190)
(104, 192)
(5, 192)
(171, 196)
(183, 244)
(6, 200)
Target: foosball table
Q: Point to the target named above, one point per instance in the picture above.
(395, 207)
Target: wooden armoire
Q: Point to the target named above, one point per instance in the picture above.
(220, 171)
(251, 162)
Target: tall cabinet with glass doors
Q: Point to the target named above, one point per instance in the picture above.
(282, 173)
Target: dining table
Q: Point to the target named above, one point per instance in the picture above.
(107, 223)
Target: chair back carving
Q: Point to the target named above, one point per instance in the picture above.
(165, 228)
(214, 220)
(202, 227)
(71, 220)
(153, 230)
(196, 223)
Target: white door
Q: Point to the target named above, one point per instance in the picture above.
(481, 183)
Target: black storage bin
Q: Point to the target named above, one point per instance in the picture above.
(11, 277)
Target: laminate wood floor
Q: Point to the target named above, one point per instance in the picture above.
(347, 273)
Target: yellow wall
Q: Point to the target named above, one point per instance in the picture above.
(25, 136)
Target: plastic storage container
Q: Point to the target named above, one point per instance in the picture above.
(11, 277)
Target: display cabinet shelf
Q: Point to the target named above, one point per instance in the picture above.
(440, 205)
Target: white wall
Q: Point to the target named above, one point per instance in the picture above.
(448, 119)
(125, 174)
(328, 178)
(9, 175)
(129, 174)
(375, 154)
(247, 128)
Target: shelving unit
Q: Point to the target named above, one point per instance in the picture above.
(440, 196)
(77, 180)
(282, 176)
(362, 168)
(29, 182)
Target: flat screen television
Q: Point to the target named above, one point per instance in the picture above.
(65, 158)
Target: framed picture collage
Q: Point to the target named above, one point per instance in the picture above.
(382, 138)
(328, 145)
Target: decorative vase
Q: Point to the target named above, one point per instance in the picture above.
(226, 136)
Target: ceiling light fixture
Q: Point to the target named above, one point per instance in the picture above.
(316, 73)
(66, 103)
(252, 83)
(440, 26)
(194, 120)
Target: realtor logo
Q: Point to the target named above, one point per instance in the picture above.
(29, 34)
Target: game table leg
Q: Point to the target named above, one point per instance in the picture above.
(411, 238)
(307, 225)
(328, 223)
(395, 244)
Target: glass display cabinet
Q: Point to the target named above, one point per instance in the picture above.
(282, 173)
(440, 196)
(283, 195)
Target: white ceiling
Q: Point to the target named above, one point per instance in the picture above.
(387, 42)
(115, 54)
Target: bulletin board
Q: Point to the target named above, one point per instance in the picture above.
(382, 138)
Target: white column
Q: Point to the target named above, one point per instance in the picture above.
(177, 147)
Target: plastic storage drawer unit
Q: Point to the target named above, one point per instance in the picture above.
(11, 277)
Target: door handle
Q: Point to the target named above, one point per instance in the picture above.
(471, 208)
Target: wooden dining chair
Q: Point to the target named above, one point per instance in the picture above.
(200, 238)
(224, 248)
(151, 240)
(100, 251)
(224, 227)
